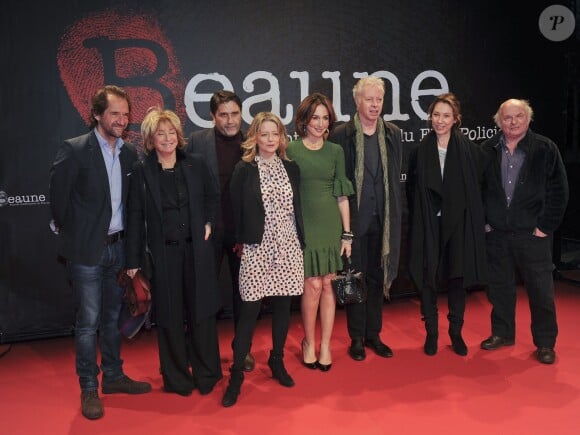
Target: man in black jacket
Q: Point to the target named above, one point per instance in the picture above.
(373, 156)
(220, 148)
(525, 193)
(88, 192)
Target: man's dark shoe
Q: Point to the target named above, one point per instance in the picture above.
(458, 345)
(546, 355)
(249, 363)
(357, 349)
(378, 347)
(495, 342)
(91, 405)
(125, 385)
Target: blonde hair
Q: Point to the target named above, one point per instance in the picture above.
(249, 146)
(150, 124)
(367, 81)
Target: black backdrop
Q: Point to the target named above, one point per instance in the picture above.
(272, 53)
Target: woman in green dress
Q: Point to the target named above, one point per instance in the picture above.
(324, 191)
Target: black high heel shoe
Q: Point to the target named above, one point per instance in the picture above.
(323, 367)
(309, 365)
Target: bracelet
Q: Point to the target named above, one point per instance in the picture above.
(347, 236)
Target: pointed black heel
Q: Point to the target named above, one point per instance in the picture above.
(309, 365)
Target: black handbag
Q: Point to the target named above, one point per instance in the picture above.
(349, 286)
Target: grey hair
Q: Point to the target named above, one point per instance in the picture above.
(524, 103)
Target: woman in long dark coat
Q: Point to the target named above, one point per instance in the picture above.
(447, 222)
(172, 205)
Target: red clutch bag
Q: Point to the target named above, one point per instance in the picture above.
(137, 292)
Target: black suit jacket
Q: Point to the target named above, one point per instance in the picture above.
(80, 198)
(203, 142)
(145, 203)
(248, 206)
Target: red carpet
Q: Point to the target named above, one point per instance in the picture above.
(504, 391)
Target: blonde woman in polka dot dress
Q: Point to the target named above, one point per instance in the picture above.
(268, 221)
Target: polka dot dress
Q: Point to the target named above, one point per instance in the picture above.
(275, 267)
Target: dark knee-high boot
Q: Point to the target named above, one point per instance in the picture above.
(432, 329)
(276, 364)
(456, 304)
(430, 317)
(233, 391)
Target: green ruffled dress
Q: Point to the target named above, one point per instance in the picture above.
(322, 181)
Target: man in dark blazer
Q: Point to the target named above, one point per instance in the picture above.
(373, 155)
(220, 147)
(88, 191)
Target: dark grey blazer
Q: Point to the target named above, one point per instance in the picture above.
(80, 198)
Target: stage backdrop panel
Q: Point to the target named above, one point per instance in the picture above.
(272, 53)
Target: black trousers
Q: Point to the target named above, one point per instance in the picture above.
(450, 257)
(532, 256)
(245, 329)
(188, 349)
(455, 304)
(224, 244)
(365, 320)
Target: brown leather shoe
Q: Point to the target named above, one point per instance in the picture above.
(91, 405)
(249, 363)
(546, 355)
(495, 342)
(125, 385)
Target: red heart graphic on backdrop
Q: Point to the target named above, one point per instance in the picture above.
(125, 49)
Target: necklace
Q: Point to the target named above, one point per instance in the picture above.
(167, 164)
(313, 147)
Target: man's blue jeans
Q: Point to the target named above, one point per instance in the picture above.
(98, 300)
